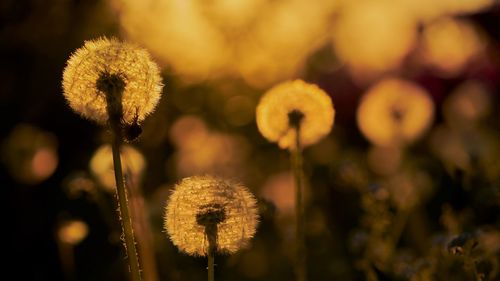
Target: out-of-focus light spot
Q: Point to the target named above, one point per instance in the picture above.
(72, 232)
(101, 166)
(467, 105)
(30, 154)
(239, 110)
(200, 150)
(384, 161)
(232, 16)
(279, 189)
(187, 131)
(218, 153)
(228, 38)
(395, 112)
(373, 36)
(278, 29)
(44, 163)
(449, 45)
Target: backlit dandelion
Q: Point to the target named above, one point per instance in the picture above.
(449, 45)
(395, 112)
(278, 106)
(199, 200)
(115, 84)
(123, 65)
(296, 114)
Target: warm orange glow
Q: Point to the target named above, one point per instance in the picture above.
(101, 165)
(30, 154)
(449, 44)
(395, 112)
(228, 38)
(188, 131)
(73, 232)
(279, 189)
(44, 163)
(373, 36)
(200, 150)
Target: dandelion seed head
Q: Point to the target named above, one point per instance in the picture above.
(105, 64)
(395, 112)
(291, 104)
(201, 200)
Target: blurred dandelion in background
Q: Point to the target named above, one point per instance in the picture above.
(468, 105)
(395, 112)
(449, 45)
(314, 104)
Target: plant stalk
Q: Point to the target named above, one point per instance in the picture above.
(211, 232)
(126, 221)
(113, 86)
(296, 159)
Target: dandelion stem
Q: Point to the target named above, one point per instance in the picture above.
(211, 232)
(124, 211)
(296, 159)
(112, 86)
